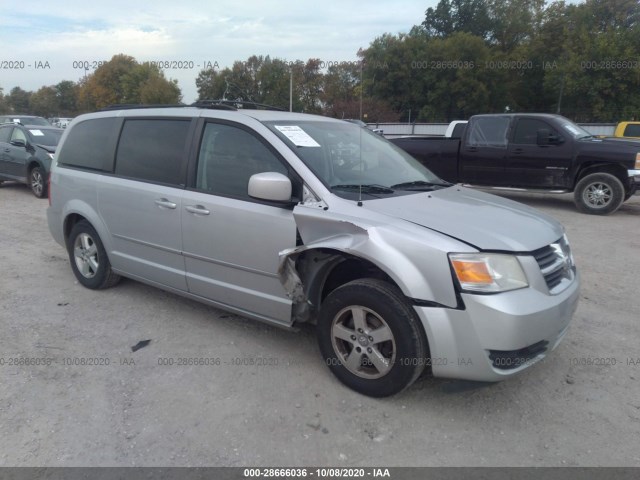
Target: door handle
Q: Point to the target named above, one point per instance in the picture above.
(472, 149)
(197, 210)
(518, 150)
(164, 203)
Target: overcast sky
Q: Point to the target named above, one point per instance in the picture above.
(51, 41)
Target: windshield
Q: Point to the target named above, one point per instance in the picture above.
(351, 160)
(574, 130)
(46, 137)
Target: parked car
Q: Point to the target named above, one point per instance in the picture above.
(290, 218)
(539, 152)
(627, 130)
(61, 122)
(25, 120)
(26, 153)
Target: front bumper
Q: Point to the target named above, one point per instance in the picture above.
(497, 336)
(634, 177)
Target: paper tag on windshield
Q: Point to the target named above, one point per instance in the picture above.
(37, 133)
(298, 136)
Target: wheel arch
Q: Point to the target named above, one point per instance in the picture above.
(617, 170)
(77, 211)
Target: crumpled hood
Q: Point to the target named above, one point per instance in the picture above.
(48, 148)
(485, 221)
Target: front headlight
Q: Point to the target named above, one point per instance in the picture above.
(488, 272)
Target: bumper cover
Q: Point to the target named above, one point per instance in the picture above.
(497, 336)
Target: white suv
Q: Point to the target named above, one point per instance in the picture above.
(291, 218)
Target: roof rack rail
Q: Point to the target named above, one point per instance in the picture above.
(130, 106)
(234, 105)
(212, 104)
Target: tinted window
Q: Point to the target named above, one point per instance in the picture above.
(90, 144)
(527, 131)
(152, 150)
(5, 133)
(489, 132)
(632, 131)
(228, 157)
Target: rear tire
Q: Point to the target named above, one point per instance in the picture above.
(88, 258)
(599, 194)
(371, 338)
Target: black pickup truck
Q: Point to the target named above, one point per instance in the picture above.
(540, 152)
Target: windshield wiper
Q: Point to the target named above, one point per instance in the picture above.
(419, 185)
(365, 188)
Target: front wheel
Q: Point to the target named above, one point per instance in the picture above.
(88, 257)
(599, 194)
(37, 182)
(370, 337)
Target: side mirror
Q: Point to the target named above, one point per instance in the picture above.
(18, 143)
(271, 186)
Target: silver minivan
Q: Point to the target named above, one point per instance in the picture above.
(290, 218)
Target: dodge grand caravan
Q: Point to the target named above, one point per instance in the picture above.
(290, 218)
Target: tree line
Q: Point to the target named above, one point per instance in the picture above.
(464, 57)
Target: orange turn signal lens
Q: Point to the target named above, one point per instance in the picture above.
(472, 272)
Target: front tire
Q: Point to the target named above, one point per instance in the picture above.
(599, 194)
(38, 182)
(88, 257)
(371, 338)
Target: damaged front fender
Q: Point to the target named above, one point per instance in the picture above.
(401, 255)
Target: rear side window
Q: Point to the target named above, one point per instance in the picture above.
(489, 132)
(632, 131)
(153, 150)
(90, 145)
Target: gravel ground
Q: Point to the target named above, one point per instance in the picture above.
(580, 407)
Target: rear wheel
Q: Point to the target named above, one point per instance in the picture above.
(599, 194)
(37, 182)
(370, 337)
(88, 257)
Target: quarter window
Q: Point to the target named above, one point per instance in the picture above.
(228, 157)
(152, 150)
(90, 145)
(18, 135)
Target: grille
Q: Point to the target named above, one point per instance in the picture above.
(510, 359)
(555, 262)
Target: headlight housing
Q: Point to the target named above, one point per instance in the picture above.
(488, 272)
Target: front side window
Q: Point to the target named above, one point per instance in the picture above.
(526, 132)
(489, 132)
(5, 134)
(152, 150)
(228, 157)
